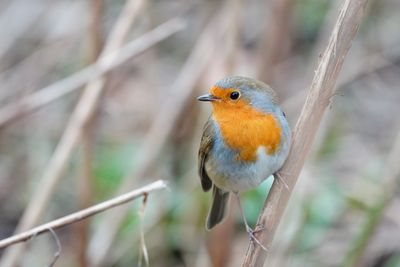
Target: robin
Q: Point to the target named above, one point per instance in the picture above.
(245, 140)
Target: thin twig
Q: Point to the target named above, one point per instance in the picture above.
(143, 248)
(58, 244)
(83, 214)
(321, 90)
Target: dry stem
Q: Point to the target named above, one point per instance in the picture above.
(319, 96)
(84, 181)
(95, 31)
(83, 214)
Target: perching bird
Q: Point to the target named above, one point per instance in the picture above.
(245, 140)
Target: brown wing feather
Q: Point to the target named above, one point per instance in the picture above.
(207, 141)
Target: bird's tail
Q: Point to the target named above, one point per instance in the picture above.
(218, 208)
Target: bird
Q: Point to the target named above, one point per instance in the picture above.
(245, 140)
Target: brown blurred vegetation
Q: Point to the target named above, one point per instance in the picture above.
(345, 210)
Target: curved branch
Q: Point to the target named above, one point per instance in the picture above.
(82, 214)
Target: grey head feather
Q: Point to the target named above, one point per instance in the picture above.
(253, 91)
(247, 84)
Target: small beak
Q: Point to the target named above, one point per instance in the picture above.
(208, 97)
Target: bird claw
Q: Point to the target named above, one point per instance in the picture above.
(259, 228)
(253, 238)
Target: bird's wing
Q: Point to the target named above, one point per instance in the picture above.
(207, 141)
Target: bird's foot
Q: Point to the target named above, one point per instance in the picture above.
(252, 236)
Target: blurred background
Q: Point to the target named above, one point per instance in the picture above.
(71, 145)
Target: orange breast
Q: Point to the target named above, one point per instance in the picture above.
(246, 129)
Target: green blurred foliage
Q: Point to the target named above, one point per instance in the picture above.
(321, 211)
(111, 163)
(331, 143)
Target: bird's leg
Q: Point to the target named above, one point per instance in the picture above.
(279, 177)
(249, 230)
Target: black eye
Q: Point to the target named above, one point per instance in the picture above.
(234, 95)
